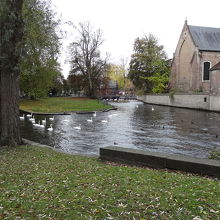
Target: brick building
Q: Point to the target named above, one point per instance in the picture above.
(194, 63)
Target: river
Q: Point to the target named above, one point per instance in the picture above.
(134, 125)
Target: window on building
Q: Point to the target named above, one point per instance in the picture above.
(206, 68)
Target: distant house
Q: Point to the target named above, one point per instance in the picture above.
(195, 66)
(111, 88)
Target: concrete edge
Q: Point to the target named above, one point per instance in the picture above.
(199, 166)
(26, 141)
(67, 113)
(43, 113)
(32, 143)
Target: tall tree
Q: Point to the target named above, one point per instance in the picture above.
(76, 82)
(11, 33)
(149, 58)
(85, 57)
(39, 66)
(117, 73)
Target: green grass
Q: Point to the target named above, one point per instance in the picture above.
(38, 183)
(62, 104)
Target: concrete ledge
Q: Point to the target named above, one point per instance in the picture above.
(28, 142)
(161, 160)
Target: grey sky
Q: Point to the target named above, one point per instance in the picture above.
(124, 20)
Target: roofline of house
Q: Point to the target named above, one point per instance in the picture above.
(209, 50)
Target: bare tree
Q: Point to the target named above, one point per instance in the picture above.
(11, 32)
(86, 59)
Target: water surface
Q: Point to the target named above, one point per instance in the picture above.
(133, 125)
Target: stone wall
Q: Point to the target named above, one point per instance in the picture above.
(203, 102)
(161, 160)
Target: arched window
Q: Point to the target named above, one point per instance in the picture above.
(206, 67)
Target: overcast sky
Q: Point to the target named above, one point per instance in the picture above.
(124, 20)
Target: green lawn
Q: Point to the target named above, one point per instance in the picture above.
(62, 104)
(38, 183)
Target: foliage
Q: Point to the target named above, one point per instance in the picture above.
(76, 82)
(39, 66)
(86, 59)
(60, 86)
(159, 82)
(214, 155)
(148, 60)
(39, 183)
(117, 73)
(62, 104)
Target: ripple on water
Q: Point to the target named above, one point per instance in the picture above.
(166, 129)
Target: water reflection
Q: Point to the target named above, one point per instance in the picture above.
(133, 125)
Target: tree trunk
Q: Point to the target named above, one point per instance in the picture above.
(11, 32)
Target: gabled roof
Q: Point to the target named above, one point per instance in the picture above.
(205, 38)
(215, 67)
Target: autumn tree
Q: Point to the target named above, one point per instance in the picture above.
(85, 58)
(11, 33)
(117, 73)
(148, 63)
(39, 65)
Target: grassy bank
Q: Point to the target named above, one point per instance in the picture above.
(62, 104)
(38, 183)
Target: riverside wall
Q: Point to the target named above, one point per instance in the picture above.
(161, 160)
(198, 101)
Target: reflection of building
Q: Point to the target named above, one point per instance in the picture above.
(197, 51)
(111, 88)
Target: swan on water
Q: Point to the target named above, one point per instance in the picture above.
(52, 119)
(22, 117)
(50, 128)
(29, 115)
(90, 120)
(78, 127)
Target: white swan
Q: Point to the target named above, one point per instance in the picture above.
(32, 119)
(52, 119)
(44, 121)
(29, 115)
(104, 121)
(22, 117)
(78, 127)
(90, 120)
(42, 125)
(36, 124)
(152, 108)
(50, 128)
(94, 114)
